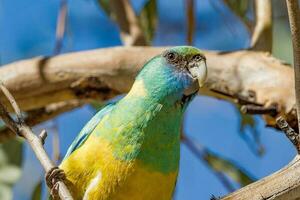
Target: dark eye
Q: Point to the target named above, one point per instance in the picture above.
(197, 57)
(171, 56)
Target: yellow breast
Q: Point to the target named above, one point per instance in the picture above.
(93, 173)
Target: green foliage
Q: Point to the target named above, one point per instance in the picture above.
(10, 166)
(37, 192)
(106, 8)
(237, 6)
(240, 8)
(148, 19)
(219, 164)
(228, 167)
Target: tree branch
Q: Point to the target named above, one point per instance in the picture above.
(294, 19)
(40, 115)
(262, 34)
(36, 143)
(281, 185)
(131, 32)
(244, 77)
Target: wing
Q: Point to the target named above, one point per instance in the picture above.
(88, 128)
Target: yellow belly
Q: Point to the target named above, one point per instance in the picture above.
(93, 173)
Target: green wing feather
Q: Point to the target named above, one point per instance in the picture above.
(88, 128)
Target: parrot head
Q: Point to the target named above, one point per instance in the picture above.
(176, 74)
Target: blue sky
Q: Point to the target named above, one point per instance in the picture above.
(28, 30)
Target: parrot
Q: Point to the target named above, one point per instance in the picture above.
(131, 148)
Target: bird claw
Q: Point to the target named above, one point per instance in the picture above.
(52, 177)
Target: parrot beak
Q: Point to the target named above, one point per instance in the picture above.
(198, 72)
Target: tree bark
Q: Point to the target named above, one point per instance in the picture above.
(245, 77)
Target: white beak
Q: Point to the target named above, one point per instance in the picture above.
(199, 72)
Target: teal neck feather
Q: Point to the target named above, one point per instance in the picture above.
(149, 119)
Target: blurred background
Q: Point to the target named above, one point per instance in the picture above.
(228, 149)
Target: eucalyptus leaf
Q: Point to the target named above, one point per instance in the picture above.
(220, 164)
(104, 4)
(239, 7)
(148, 19)
(230, 168)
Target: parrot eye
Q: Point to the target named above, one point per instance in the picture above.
(197, 57)
(171, 56)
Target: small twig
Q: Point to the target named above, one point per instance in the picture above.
(190, 16)
(43, 135)
(259, 110)
(237, 98)
(12, 101)
(20, 128)
(40, 115)
(61, 26)
(289, 132)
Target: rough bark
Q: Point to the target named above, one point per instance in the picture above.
(282, 185)
(246, 77)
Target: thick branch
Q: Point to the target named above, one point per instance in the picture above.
(282, 185)
(246, 76)
(262, 34)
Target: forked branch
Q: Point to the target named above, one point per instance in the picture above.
(36, 142)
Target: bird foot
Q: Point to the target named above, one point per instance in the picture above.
(52, 177)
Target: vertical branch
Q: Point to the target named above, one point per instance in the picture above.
(262, 34)
(294, 18)
(190, 16)
(60, 26)
(131, 32)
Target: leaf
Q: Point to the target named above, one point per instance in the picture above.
(148, 19)
(239, 7)
(219, 164)
(37, 192)
(105, 6)
(228, 167)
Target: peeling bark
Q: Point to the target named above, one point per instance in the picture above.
(245, 77)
